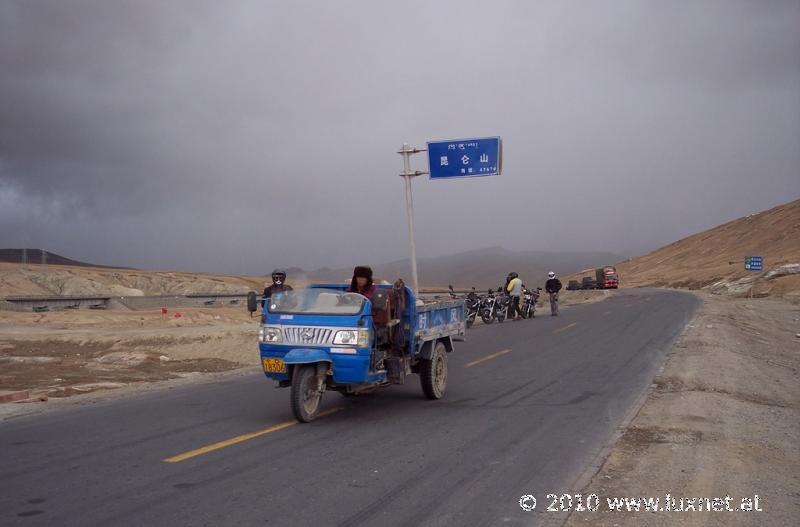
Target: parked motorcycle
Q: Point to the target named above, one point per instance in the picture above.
(488, 307)
(472, 304)
(529, 299)
(502, 303)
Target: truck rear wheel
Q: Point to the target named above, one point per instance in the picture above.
(433, 373)
(305, 396)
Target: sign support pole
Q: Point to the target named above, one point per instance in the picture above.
(407, 174)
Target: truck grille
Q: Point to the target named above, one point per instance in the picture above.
(307, 335)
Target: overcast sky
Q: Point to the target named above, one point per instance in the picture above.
(238, 136)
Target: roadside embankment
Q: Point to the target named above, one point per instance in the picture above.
(722, 419)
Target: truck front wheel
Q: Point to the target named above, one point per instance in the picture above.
(305, 396)
(433, 373)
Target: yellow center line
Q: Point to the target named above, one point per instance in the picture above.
(488, 357)
(238, 439)
(559, 330)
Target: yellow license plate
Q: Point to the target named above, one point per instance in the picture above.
(274, 365)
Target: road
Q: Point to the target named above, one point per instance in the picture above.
(529, 406)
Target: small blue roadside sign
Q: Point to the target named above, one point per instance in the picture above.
(465, 158)
(753, 263)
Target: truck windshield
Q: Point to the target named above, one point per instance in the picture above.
(317, 302)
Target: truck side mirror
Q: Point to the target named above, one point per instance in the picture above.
(252, 302)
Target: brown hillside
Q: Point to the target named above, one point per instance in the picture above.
(702, 260)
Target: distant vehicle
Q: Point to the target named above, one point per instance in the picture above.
(606, 277)
(573, 285)
(588, 283)
(40, 309)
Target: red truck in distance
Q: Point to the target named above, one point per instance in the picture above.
(606, 277)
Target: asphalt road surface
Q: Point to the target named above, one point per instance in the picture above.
(529, 406)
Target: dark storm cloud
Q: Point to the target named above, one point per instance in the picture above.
(235, 136)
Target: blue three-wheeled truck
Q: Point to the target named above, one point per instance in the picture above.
(323, 338)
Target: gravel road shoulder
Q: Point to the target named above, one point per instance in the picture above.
(722, 419)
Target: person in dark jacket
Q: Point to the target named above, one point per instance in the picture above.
(553, 286)
(279, 285)
(362, 282)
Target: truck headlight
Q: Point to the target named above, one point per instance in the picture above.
(346, 337)
(270, 334)
(352, 337)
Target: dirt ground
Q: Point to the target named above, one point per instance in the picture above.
(64, 353)
(571, 298)
(722, 419)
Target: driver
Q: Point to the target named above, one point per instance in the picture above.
(362, 282)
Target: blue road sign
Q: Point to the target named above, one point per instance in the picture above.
(465, 158)
(753, 263)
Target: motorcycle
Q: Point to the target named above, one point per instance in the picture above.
(502, 303)
(488, 307)
(529, 299)
(472, 304)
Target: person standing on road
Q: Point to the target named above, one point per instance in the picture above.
(553, 286)
(278, 286)
(514, 290)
